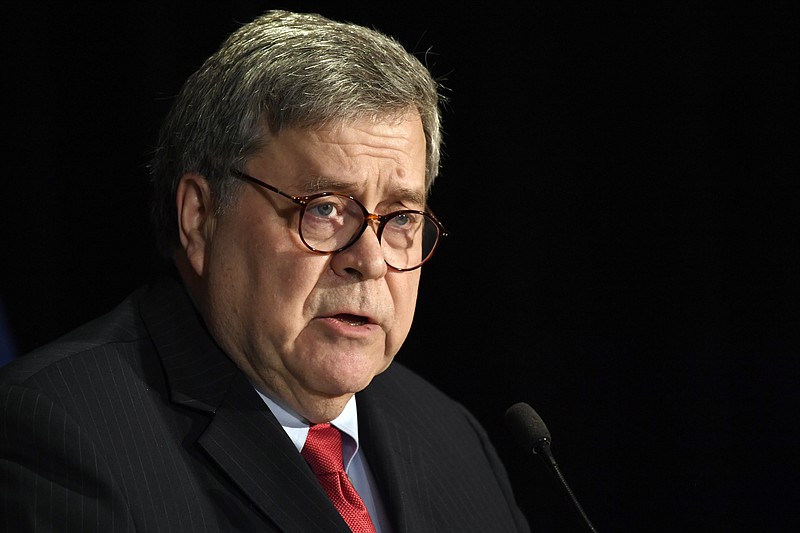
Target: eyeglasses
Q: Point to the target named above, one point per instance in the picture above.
(331, 222)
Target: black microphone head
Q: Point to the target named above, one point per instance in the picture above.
(529, 429)
(527, 426)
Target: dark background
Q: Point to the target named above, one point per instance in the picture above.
(620, 182)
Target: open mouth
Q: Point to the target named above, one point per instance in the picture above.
(353, 320)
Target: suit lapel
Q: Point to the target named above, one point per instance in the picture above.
(243, 438)
(395, 460)
(198, 372)
(249, 445)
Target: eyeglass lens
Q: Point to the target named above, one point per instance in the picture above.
(333, 222)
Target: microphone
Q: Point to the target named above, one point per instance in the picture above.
(530, 430)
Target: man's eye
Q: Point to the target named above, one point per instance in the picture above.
(324, 210)
(402, 220)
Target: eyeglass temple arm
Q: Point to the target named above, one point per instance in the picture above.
(251, 179)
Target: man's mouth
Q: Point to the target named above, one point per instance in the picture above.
(353, 320)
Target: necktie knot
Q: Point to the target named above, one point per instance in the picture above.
(323, 449)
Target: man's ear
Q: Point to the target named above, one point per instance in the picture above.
(195, 218)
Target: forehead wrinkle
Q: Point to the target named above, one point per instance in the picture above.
(366, 137)
(396, 150)
(347, 157)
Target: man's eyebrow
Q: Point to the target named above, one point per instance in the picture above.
(329, 184)
(326, 184)
(411, 196)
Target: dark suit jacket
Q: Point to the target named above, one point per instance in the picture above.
(138, 422)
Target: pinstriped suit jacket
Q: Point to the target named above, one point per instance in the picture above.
(138, 422)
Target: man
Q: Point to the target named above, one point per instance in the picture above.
(290, 182)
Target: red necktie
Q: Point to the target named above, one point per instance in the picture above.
(323, 452)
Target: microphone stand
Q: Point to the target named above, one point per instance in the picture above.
(542, 448)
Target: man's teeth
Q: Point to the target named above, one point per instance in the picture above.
(352, 320)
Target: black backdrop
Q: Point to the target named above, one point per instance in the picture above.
(620, 183)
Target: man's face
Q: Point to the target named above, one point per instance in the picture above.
(313, 329)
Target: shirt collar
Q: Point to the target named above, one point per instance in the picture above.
(296, 427)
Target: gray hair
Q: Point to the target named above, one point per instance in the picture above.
(283, 70)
